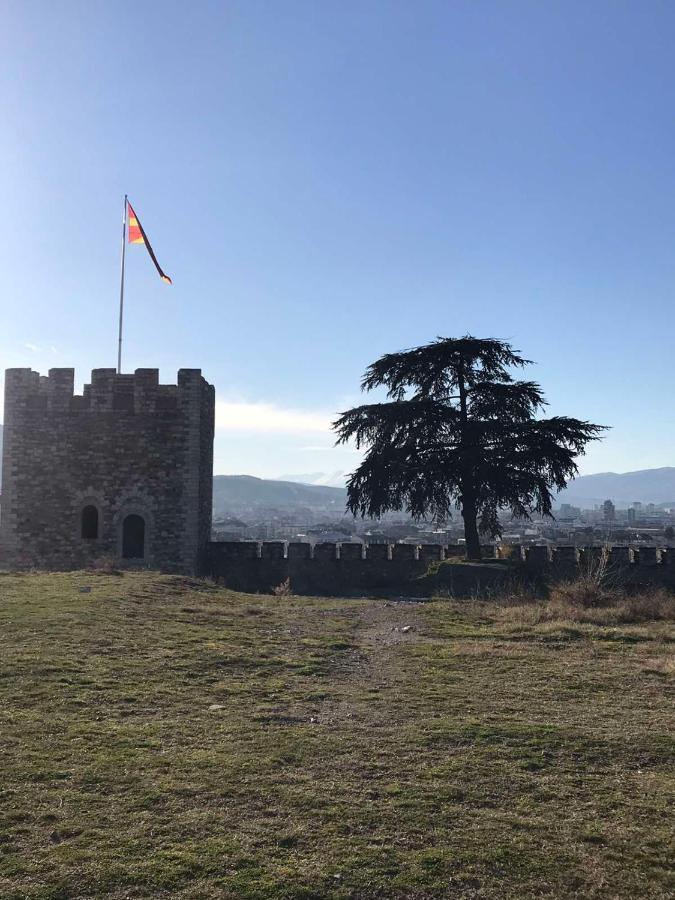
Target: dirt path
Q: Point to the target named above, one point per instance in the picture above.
(384, 627)
(389, 622)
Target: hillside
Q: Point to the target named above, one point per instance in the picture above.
(238, 491)
(644, 485)
(234, 491)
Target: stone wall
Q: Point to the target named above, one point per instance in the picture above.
(127, 446)
(351, 568)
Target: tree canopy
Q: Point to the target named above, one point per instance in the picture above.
(458, 430)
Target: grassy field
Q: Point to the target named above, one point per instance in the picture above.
(164, 737)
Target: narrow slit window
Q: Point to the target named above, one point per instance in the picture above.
(89, 523)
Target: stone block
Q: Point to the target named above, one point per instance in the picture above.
(377, 551)
(453, 551)
(647, 556)
(537, 557)
(299, 550)
(430, 552)
(325, 551)
(510, 551)
(591, 558)
(565, 557)
(619, 557)
(401, 552)
(272, 550)
(351, 550)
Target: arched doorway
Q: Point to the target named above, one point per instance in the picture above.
(133, 537)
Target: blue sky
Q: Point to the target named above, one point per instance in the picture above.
(329, 181)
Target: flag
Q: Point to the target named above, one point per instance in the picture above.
(136, 235)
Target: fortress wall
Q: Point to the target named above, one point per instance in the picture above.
(351, 568)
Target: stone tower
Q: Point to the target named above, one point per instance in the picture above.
(122, 472)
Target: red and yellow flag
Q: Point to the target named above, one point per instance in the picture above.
(136, 235)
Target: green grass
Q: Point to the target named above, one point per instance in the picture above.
(163, 737)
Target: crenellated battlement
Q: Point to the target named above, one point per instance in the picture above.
(350, 567)
(531, 557)
(139, 393)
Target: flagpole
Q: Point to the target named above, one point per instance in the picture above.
(124, 245)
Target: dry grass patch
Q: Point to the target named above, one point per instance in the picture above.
(162, 737)
(594, 598)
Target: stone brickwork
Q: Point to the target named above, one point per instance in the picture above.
(351, 568)
(122, 472)
(343, 569)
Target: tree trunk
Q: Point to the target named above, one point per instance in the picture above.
(471, 529)
(468, 499)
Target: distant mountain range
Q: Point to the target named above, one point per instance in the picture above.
(331, 479)
(644, 486)
(234, 492)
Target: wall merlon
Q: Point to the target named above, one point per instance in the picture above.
(591, 557)
(452, 550)
(190, 379)
(430, 552)
(325, 550)
(102, 376)
(538, 556)
(510, 551)
(148, 377)
(619, 556)
(378, 551)
(403, 551)
(273, 550)
(60, 389)
(351, 550)
(565, 556)
(145, 390)
(102, 388)
(647, 556)
(299, 550)
(20, 382)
